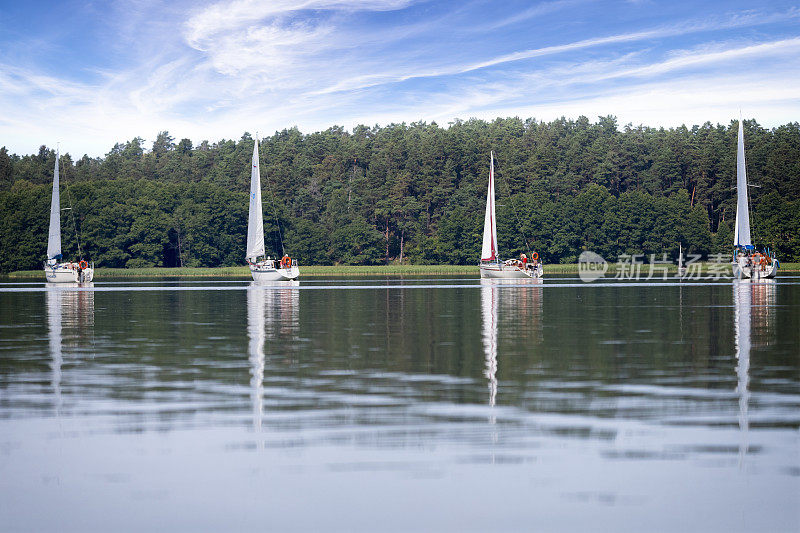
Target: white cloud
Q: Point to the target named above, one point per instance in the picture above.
(669, 92)
(707, 58)
(667, 104)
(684, 101)
(223, 17)
(537, 10)
(404, 74)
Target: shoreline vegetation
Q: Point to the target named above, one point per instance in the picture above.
(313, 271)
(409, 194)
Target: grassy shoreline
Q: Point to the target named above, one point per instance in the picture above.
(327, 270)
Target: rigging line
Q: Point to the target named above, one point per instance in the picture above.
(275, 212)
(72, 213)
(516, 215)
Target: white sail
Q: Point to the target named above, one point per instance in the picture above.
(54, 235)
(489, 249)
(255, 221)
(742, 232)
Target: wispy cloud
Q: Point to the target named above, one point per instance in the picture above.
(223, 17)
(537, 10)
(682, 28)
(668, 92)
(708, 58)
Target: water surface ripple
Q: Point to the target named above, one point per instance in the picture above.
(444, 404)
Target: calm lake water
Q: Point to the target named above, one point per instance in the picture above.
(400, 405)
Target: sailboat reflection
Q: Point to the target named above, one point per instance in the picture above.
(54, 302)
(256, 317)
(69, 307)
(753, 306)
(272, 309)
(490, 297)
(522, 302)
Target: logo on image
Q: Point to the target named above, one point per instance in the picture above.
(591, 266)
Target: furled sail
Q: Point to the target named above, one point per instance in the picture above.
(255, 221)
(742, 233)
(489, 249)
(54, 235)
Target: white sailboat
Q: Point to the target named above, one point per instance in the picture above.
(266, 269)
(747, 261)
(491, 266)
(54, 270)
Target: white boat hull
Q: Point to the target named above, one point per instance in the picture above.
(742, 270)
(498, 271)
(65, 274)
(262, 273)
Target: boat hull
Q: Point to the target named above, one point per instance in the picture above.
(742, 270)
(63, 274)
(496, 271)
(261, 273)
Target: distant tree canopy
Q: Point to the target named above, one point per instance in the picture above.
(414, 192)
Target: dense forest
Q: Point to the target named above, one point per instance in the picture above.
(409, 192)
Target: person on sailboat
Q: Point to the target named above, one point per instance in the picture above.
(524, 259)
(264, 270)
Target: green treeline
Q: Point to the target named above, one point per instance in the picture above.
(414, 192)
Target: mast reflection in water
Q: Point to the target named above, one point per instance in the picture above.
(272, 308)
(522, 303)
(72, 310)
(753, 306)
(617, 405)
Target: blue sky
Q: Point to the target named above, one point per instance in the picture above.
(89, 74)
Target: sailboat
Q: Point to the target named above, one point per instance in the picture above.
(54, 270)
(266, 269)
(491, 266)
(681, 266)
(747, 261)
